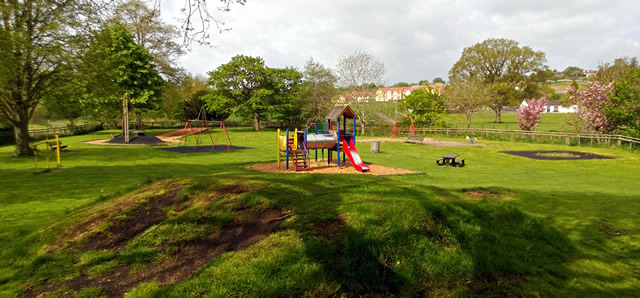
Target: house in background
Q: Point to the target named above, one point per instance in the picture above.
(396, 93)
(359, 96)
(555, 106)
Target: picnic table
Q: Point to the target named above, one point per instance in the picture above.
(450, 159)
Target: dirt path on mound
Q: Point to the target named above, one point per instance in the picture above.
(247, 228)
(428, 141)
(140, 212)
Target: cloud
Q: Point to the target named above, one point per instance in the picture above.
(417, 39)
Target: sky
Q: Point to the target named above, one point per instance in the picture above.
(415, 39)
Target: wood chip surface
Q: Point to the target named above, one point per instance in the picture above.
(323, 168)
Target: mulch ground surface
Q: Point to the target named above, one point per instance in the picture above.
(201, 149)
(323, 168)
(137, 140)
(557, 155)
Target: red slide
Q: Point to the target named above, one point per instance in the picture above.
(354, 156)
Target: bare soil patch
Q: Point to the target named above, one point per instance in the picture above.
(247, 228)
(427, 141)
(323, 168)
(331, 230)
(137, 221)
(144, 209)
(481, 194)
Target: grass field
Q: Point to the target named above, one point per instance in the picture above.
(503, 225)
(548, 122)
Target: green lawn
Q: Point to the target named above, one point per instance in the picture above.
(546, 228)
(548, 122)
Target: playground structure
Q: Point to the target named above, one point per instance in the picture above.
(395, 132)
(298, 143)
(50, 146)
(204, 125)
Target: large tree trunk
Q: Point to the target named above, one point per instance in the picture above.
(139, 120)
(468, 120)
(361, 128)
(256, 121)
(21, 130)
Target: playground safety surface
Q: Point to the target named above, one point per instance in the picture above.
(557, 155)
(201, 149)
(323, 168)
(137, 140)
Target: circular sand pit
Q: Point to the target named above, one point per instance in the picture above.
(557, 155)
(323, 168)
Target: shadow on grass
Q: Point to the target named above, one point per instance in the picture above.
(502, 246)
(375, 236)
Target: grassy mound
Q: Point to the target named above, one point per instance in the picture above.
(144, 222)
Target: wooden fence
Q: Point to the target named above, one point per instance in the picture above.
(531, 136)
(38, 134)
(228, 123)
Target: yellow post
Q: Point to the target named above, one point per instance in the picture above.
(278, 141)
(46, 143)
(295, 140)
(58, 151)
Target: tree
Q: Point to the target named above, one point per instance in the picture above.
(609, 72)
(529, 114)
(115, 67)
(573, 72)
(246, 87)
(355, 72)
(468, 96)
(502, 64)
(591, 103)
(423, 82)
(318, 89)
(149, 31)
(36, 43)
(425, 106)
(197, 11)
(401, 84)
(64, 100)
(625, 103)
(438, 80)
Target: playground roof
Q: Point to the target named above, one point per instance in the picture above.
(339, 111)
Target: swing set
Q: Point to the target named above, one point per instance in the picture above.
(395, 132)
(204, 125)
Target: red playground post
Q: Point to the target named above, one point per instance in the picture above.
(222, 127)
(395, 132)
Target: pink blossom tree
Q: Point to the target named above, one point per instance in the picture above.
(529, 114)
(591, 102)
